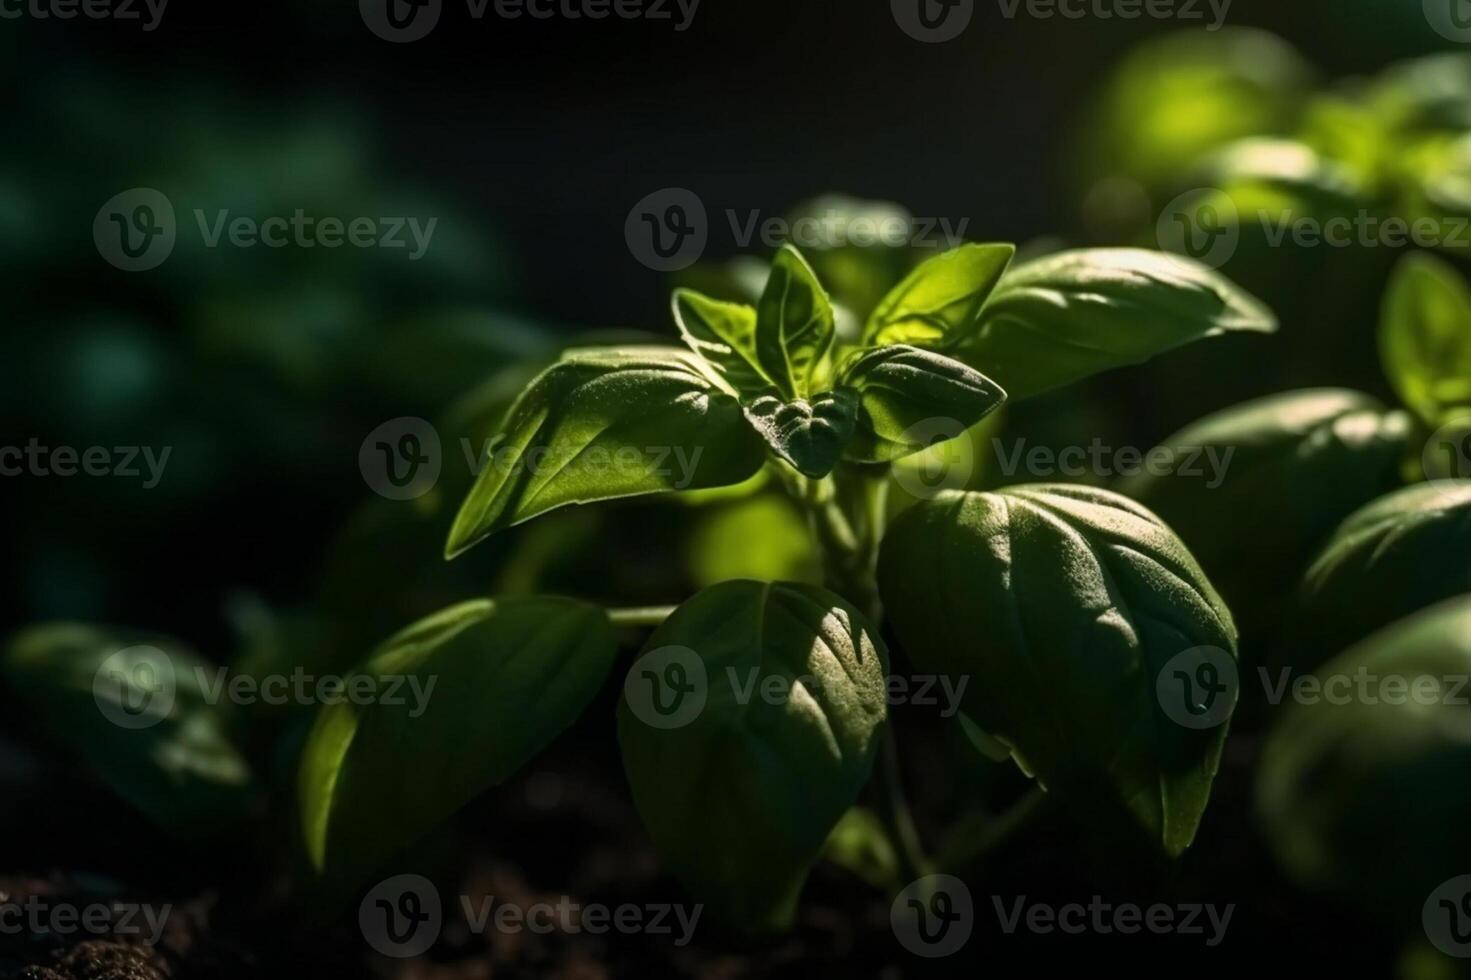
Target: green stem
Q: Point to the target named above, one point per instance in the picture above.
(643, 616)
(849, 544)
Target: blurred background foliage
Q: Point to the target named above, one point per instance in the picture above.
(264, 369)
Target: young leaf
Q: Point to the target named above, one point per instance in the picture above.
(778, 704)
(1366, 793)
(138, 710)
(1067, 316)
(794, 326)
(1401, 553)
(603, 424)
(901, 387)
(1288, 467)
(724, 334)
(1064, 605)
(937, 304)
(809, 435)
(483, 687)
(1425, 337)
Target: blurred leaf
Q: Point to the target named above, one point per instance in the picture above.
(763, 538)
(860, 844)
(139, 710)
(1365, 793)
(484, 687)
(1400, 554)
(1177, 98)
(1425, 337)
(1289, 467)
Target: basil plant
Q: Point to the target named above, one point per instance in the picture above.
(754, 722)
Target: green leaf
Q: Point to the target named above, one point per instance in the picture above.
(809, 435)
(1285, 469)
(603, 424)
(1399, 554)
(773, 733)
(1067, 316)
(794, 326)
(1362, 786)
(724, 334)
(1425, 337)
(860, 844)
(138, 710)
(486, 686)
(938, 303)
(899, 388)
(1064, 605)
